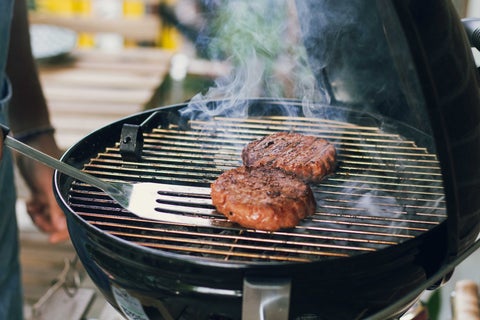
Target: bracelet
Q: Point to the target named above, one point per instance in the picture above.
(28, 135)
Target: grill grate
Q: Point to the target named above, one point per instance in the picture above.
(385, 191)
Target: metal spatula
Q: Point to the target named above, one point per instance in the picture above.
(138, 198)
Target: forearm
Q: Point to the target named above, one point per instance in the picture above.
(28, 108)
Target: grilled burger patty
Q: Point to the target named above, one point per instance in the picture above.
(262, 198)
(307, 157)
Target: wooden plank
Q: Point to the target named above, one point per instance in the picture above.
(41, 262)
(69, 139)
(131, 97)
(130, 55)
(79, 109)
(145, 29)
(106, 79)
(68, 125)
(70, 131)
(138, 67)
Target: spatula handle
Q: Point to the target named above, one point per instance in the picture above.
(54, 163)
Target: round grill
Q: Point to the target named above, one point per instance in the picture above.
(386, 190)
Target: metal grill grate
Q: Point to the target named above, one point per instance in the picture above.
(386, 190)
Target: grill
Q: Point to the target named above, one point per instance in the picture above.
(386, 190)
(403, 99)
(382, 212)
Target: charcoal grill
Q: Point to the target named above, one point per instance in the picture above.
(399, 100)
(382, 205)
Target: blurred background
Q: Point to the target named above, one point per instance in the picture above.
(109, 23)
(141, 22)
(113, 58)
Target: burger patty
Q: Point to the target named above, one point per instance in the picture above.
(309, 158)
(262, 198)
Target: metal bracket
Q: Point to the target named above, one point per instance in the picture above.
(131, 139)
(71, 300)
(131, 142)
(265, 299)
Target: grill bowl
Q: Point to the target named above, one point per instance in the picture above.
(351, 261)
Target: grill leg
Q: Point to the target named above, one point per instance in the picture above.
(266, 299)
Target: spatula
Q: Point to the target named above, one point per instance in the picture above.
(138, 198)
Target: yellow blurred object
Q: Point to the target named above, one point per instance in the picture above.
(123, 22)
(83, 8)
(69, 8)
(169, 37)
(63, 7)
(133, 8)
(85, 40)
(40, 5)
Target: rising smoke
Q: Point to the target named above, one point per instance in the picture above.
(317, 51)
(261, 41)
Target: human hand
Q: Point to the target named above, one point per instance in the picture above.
(42, 206)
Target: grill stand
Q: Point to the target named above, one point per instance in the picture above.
(266, 299)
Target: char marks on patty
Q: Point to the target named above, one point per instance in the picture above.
(309, 158)
(262, 198)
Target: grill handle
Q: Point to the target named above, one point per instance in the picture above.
(472, 27)
(265, 299)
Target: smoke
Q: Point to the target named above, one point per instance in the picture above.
(261, 41)
(342, 53)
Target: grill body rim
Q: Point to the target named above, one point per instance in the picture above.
(414, 252)
(192, 284)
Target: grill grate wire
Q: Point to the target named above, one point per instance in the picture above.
(385, 191)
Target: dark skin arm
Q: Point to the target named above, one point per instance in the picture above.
(28, 110)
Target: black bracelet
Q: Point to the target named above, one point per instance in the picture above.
(28, 135)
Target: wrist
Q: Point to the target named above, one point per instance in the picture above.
(31, 134)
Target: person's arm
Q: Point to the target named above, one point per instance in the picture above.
(29, 118)
(29, 109)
